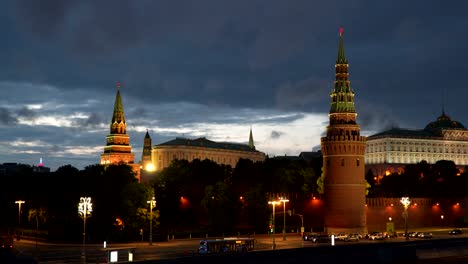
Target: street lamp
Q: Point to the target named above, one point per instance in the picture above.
(19, 202)
(406, 202)
(284, 215)
(274, 203)
(85, 207)
(152, 203)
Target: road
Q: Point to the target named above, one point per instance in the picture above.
(72, 253)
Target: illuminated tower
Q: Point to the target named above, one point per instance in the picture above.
(146, 161)
(343, 158)
(118, 149)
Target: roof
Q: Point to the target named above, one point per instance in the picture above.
(400, 132)
(205, 143)
(444, 122)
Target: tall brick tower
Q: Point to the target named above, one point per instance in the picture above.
(118, 149)
(343, 158)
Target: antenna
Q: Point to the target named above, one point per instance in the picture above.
(443, 100)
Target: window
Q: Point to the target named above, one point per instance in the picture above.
(342, 162)
(357, 162)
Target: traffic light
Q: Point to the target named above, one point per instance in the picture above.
(289, 212)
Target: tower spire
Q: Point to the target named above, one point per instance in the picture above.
(342, 96)
(118, 125)
(251, 141)
(341, 59)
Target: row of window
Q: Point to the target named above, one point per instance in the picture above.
(463, 150)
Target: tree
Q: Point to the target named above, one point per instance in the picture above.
(320, 183)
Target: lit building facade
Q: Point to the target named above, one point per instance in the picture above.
(390, 151)
(225, 153)
(343, 151)
(118, 149)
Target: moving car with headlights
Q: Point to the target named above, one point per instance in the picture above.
(425, 235)
(455, 232)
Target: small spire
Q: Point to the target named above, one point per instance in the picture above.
(251, 141)
(341, 55)
(118, 85)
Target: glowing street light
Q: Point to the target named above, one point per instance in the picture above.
(284, 201)
(19, 202)
(274, 203)
(406, 202)
(152, 203)
(85, 207)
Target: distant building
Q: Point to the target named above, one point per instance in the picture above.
(225, 153)
(118, 149)
(390, 151)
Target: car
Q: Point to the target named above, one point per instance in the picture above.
(340, 236)
(455, 232)
(321, 238)
(6, 243)
(308, 236)
(425, 235)
(352, 238)
(356, 234)
(376, 236)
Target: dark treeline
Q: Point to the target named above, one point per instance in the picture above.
(51, 202)
(439, 180)
(198, 196)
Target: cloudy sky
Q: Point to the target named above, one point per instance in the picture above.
(215, 68)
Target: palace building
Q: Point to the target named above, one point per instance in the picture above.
(118, 149)
(443, 139)
(343, 151)
(160, 156)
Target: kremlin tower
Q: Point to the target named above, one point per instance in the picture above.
(146, 161)
(118, 149)
(343, 151)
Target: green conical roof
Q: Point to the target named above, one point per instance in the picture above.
(342, 95)
(118, 115)
(341, 59)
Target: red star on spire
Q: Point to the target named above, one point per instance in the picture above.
(341, 31)
(118, 85)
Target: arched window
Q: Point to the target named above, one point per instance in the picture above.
(342, 162)
(357, 162)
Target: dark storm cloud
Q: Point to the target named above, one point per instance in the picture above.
(7, 117)
(276, 134)
(26, 113)
(93, 120)
(184, 64)
(310, 92)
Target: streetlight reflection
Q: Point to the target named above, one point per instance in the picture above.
(274, 203)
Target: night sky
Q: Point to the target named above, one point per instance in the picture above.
(216, 68)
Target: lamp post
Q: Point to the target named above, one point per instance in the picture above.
(274, 203)
(19, 202)
(284, 201)
(85, 207)
(406, 202)
(152, 203)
